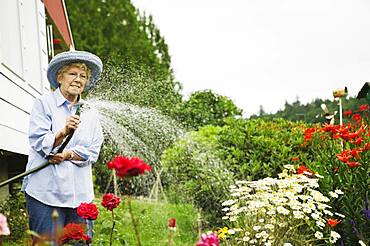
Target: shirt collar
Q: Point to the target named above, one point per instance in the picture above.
(61, 99)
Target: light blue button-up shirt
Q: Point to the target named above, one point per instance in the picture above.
(69, 183)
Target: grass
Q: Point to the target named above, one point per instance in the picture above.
(152, 218)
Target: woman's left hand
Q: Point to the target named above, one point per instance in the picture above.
(60, 157)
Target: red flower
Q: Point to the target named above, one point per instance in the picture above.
(128, 167)
(356, 117)
(110, 201)
(353, 164)
(88, 211)
(344, 156)
(330, 128)
(364, 107)
(356, 153)
(86, 238)
(308, 134)
(347, 113)
(358, 141)
(295, 159)
(57, 40)
(367, 147)
(333, 222)
(72, 231)
(172, 223)
(304, 170)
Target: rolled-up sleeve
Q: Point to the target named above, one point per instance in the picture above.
(41, 137)
(90, 153)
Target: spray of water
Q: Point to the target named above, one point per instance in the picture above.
(136, 131)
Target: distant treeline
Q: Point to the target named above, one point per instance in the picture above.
(311, 112)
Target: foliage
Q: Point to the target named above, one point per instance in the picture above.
(278, 211)
(341, 154)
(152, 218)
(14, 208)
(195, 172)
(108, 27)
(203, 163)
(206, 108)
(255, 149)
(311, 112)
(135, 55)
(125, 80)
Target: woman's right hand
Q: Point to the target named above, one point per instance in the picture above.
(72, 123)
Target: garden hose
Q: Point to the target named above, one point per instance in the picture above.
(38, 168)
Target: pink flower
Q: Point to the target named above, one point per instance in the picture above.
(110, 201)
(208, 240)
(4, 228)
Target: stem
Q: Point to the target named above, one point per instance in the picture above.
(134, 222)
(170, 237)
(199, 221)
(282, 237)
(88, 230)
(111, 232)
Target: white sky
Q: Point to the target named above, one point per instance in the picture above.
(263, 52)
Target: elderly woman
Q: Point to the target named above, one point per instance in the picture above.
(67, 182)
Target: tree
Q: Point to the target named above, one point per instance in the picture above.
(107, 27)
(207, 108)
(261, 111)
(137, 65)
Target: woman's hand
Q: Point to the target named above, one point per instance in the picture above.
(60, 157)
(72, 123)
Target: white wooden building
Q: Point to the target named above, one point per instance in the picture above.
(26, 45)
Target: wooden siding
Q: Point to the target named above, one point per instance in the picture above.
(23, 65)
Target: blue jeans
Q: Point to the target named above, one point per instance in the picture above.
(41, 221)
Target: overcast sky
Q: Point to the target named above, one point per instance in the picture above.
(264, 52)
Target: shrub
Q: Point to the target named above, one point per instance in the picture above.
(341, 154)
(196, 174)
(14, 208)
(255, 149)
(289, 210)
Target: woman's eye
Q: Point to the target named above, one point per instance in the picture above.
(83, 76)
(72, 74)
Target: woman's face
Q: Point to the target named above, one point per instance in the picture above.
(72, 82)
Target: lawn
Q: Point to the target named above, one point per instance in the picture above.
(152, 220)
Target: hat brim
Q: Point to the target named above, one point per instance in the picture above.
(92, 61)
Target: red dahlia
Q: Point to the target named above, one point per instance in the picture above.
(110, 201)
(128, 166)
(88, 211)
